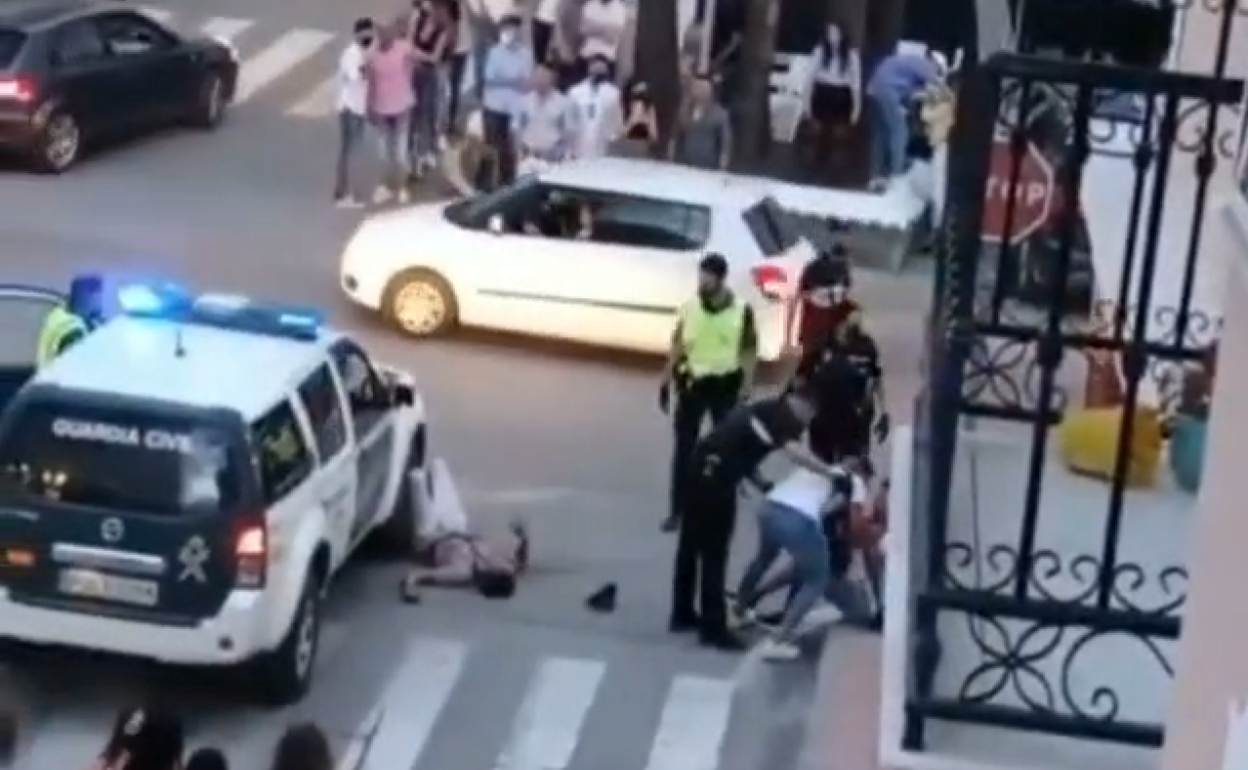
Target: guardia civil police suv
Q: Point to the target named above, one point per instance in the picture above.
(183, 484)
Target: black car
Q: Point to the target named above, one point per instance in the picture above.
(73, 72)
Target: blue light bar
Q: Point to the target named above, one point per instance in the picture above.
(223, 311)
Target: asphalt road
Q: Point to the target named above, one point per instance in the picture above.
(569, 440)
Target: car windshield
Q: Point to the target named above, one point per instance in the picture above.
(11, 42)
(117, 460)
(474, 211)
(773, 229)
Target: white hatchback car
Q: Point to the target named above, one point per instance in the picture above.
(602, 252)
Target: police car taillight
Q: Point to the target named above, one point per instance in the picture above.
(251, 556)
(770, 281)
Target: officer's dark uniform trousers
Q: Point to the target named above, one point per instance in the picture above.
(712, 396)
(710, 507)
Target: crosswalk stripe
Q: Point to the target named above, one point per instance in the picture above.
(159, 14)
(271, 63)
(226, 28)
(318, 103)
(693, 724)
(545, 731)
(413, 701)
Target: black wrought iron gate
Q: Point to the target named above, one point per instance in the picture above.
(987, 358)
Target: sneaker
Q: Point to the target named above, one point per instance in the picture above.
(741, 617)
(381, 195)
(349, 202)
(776, 650)
(404, 196)
(430, 162)
(821, 616)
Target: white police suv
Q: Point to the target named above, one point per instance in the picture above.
(183, 483)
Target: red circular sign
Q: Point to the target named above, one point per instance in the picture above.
(1034, 193)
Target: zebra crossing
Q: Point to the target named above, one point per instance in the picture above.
(455, 704)
(290, 68)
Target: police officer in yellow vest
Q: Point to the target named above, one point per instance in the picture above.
(710, 367)
(67, 324)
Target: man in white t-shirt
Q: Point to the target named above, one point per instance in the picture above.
(352, 113)
(599, 117)
(791, 522)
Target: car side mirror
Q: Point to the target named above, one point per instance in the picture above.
(403, 395)
(495, 224)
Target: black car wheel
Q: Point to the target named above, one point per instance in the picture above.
(210, 103)
(60, 144)
(283, 676)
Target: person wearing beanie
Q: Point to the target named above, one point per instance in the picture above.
(710, 368)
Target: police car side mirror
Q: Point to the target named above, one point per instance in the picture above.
(403, 395)
(495, 224)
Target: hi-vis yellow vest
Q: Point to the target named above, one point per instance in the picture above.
(712, 341)
(59, 324)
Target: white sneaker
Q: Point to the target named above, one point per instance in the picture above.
(348, 202)
(776, 650)
(742, 618)
(381, 195)
(821, 616)
(404, 197)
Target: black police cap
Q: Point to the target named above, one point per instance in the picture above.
(715, 265)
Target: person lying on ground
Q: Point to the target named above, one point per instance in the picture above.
(469, 560)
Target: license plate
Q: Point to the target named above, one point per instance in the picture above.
(89, 584)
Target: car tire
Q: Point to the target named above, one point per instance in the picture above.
(420, 303)
(396, 537)
(282, 677)
(59, 145)
(210, 103)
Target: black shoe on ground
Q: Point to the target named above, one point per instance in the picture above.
(681, 625)
(671, 524)
(723, 640)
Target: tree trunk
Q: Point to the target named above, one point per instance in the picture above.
(657, 57)
(853, 170)
(753, 134)
(885, 20)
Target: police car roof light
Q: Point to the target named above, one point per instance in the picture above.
(225, 311)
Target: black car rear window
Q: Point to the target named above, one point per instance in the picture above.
(11, 42)
(773, 229)
(118, 460)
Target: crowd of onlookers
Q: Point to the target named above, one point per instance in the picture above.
(551, 88)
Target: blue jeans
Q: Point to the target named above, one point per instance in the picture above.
(350, 140)
(392, 136)
(890, 133)
(427, 84)
(782, 529)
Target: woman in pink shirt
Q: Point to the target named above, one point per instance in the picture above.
(390, 102)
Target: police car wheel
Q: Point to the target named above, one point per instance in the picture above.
(396, 537)
(59, 145)
(283, 676)
(421, 303)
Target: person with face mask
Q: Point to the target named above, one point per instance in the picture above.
(352, 113)
(710, 369)
(545, 122)
(507, 74)
(596, 101)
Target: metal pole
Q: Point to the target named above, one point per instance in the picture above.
(708, 30)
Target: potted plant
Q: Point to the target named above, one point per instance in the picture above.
(1190, 424)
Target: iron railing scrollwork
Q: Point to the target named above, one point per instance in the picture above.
(1036, 618)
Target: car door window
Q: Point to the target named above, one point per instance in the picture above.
(366, 393)
(329, 426)
(77, 43)
(648, 222)
(282, 450)
(130, 34)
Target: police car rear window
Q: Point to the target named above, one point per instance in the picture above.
(773, 229)
(118, 461)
